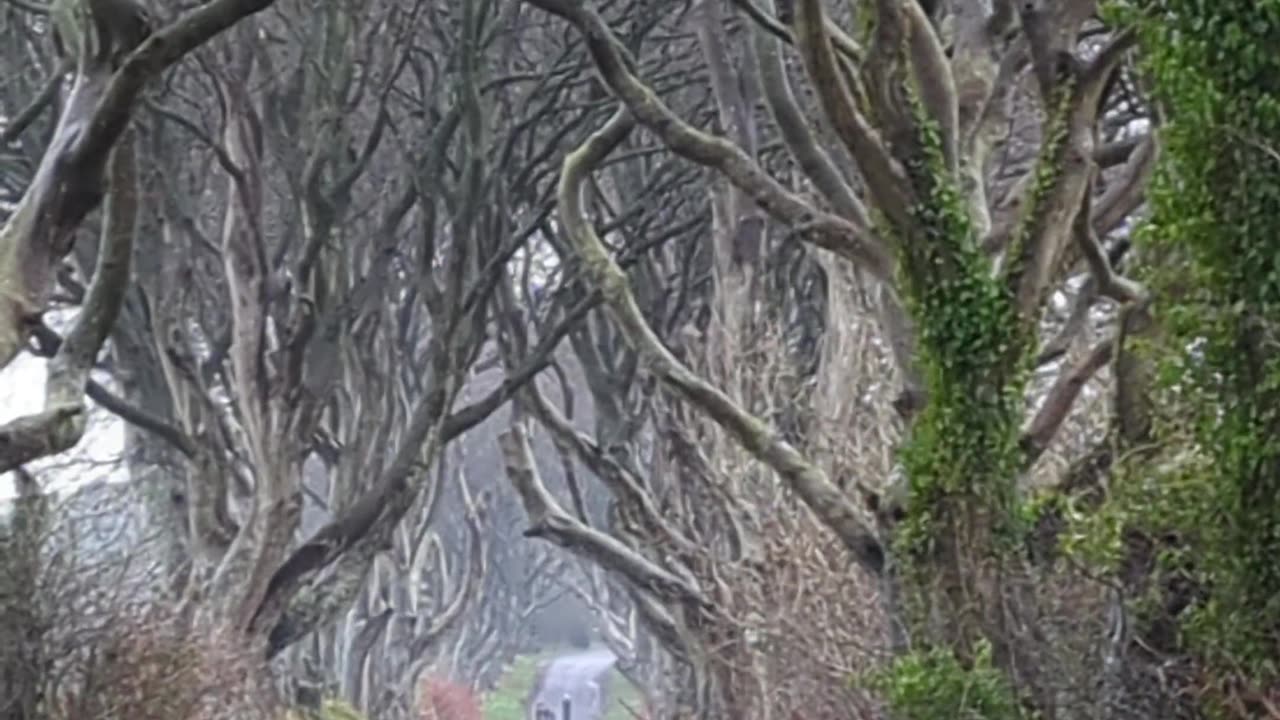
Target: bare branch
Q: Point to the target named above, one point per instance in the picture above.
(822, 496)
(885, 179)
(69, 182)
(620, 481)
(1057, 195)
(49, 344)
(1126, 193)
(1061, 398)
(27, 115)
(795, 130)
(469, 589)
(533, 362)
(1109, 283)
(833, 233)
(841, 40)
(548, 520)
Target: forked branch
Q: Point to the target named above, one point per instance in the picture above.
(823, 497)
(70, 181)
(840, 235)
(62, 423)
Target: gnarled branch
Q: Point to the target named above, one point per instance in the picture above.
(837, 234)
(62, 423)
(70, 180)
(822, 496)
(548, 520)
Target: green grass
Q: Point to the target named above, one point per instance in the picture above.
(506, 702)
(621, 690)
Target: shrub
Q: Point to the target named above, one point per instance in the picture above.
(442, 699)
(84, 635)
(149, 666)
(934, 685)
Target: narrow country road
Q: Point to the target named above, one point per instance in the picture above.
(577, 676)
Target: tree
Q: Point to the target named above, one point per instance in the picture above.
(919, 104)
(841, 323)
(315, 286)
(69, 183)
(1191, 510)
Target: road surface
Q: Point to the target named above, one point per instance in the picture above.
(580, 677)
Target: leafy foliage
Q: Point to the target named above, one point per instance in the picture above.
(965, 442)
(1214, 244)
(934, 685)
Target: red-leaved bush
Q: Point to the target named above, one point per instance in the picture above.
(442, 699)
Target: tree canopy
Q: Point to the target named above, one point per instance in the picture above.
(881, 358)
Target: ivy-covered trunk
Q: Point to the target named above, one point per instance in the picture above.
(961, 459)
(1215, 248)
(918, 100)
(957, 546)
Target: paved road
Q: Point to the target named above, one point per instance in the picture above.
(577, 676)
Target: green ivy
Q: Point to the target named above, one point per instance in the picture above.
(934, 685)
(962, 457)
(1215, 206)
(964, 444)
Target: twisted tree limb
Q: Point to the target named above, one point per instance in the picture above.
(550, 521)
(842, 236)
(71, 179)
(823, 497)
